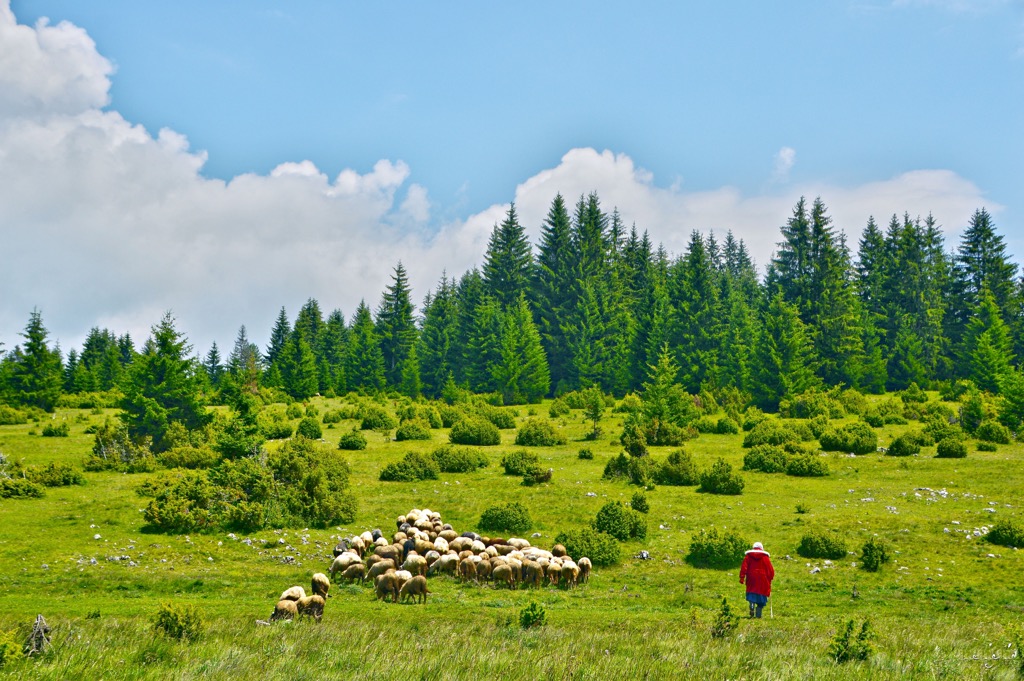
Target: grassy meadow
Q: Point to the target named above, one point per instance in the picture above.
(946, 606)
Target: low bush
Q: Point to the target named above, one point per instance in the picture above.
(845, 647)
(853, 438)
(502, 418)
(9, 416)
(601, 548)
(474, 430)
(513, 518)
(766, 459)
(353, 441)
(812, 403)
(820, 544)
(411, 468)
(62, 429)
(10, 650)
(951, 448)
(752, 417)
(939, 428)
(294, 411)
(55, 475)
(585, 455)
(377, 418)
(620, 522)
(179, 621)
(520, 462)
(727, 426)
(332, 416)
(807, 466)
(187, 456)
(705, 424)
(558, 408)
(913, 394)
(874, 554)
(538, 433)
(988, 431)
(537, 476)
(416, 429)
(853, 401)
(309, 428)
(726, 621)
(450, 415)
(451, 459)
(903, 445)
(818, 425)
(720, 479)
(532, 616)
(988, 447)
(19, 488)
(678, 470)
(275, 428)
(712, 549)
(639, 502)
(1006, 533)
(630, 404)
(113, 449)
(770, 432)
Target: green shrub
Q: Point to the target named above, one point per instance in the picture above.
(921, 438)
(55, 475)
(537, 476)
(807, 466)
(558, 408)
(62, 429)
(820, 544)
(620, 522)
(450, 415)
(874, 554)
(520, 462)
(845, 647)
(752, 417)
(602, 549)
(187, 456)
(853, 438)
(617, 467)
(639, 502)
(727, 426)
(812, 403)
(512, 517)
(532, 616)
(766, 459)
(9, 416)
(818, 425)
(353, 441)
(312, 411)
(720, 479)
(413, 430)
(903, 445)
(678, 469)
(502, 418)
(633, 439)
(273, 426)
(451, 459)
(474, 430)
(10, 651)
(726, 621)
(988, 431)
(585, 455)
(332, 416)
(712, 549)
(377, 418)
(309, 428)
(182, 622)
(630, 404)
(113, 449)
(19, 488)
(939, 428)
(412, 467)
(1006, 533)
(988, 447)
(951, 448)
(294, 411)
(913, 394)
(770, 432)
(705, 424)
(853, 401)
(538, 433)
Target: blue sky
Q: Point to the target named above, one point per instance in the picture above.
(714, 115)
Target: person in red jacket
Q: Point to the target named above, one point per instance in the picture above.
(757, 572)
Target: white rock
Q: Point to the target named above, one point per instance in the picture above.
(96, 536)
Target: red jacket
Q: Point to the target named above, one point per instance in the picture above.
(757, 572)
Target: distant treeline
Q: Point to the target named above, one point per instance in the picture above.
(596, 303)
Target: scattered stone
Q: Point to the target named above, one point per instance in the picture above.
(591, 494)
(96, 536)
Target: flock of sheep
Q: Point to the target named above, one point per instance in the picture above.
(424, 547)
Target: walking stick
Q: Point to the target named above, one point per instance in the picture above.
(771, 610)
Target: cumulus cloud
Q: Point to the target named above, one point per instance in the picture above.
(107, 224)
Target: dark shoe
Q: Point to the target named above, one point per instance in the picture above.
(751, 610)
(758, 612)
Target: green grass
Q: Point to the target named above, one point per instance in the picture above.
(941, 608)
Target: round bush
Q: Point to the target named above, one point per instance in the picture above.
(558, 408)
(711, 549)
(474, 430)
(822, 545)
(512, 517)
(520, 462)
(413, 430)
(1006, 533)
(502, 418)
(904, 445)
(61, 429)
(377, 418)
(410, 469)
(770, 432)
(19, 488)
(853, 438)
(602, 549)
(720, 479)
(451, 459)
(951, 448)
(353, 441)
(807, 466)
(538, 433)
(333, 416)
(766, 459)
(55, 475)
(991, 431)
(309, 428)
(585, 455)
(275, 430)
(182, 622)
(874, 554)
(678, 470)
(294, 411)
(726, 426)
(988, 447)
(639, 502)
(620, 522)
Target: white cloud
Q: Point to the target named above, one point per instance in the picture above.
(784, 160)
(105, 224)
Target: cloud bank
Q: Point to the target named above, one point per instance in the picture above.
(105, 223)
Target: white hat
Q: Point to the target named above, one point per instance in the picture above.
(759, 545)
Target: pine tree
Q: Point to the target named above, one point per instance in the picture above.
(334, 349)
(469, 297)
(521, 372)
(438, 343)
(553, 285)
(36, 374)
(483, 346)
(213, 366)
(987, 344)
(244, 362)
(508, 262)
(395, 326)
(161, 388)
(365, 369)
(299, 374)
(784, 362)
(737, 337)
(793, 263)
(278, 337)
(694, 331)
(309, 323)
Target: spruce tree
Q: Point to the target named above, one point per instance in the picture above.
(365, 368)
(483, 346)
(244, 362)
(469, 296)
(334, 354)
(508, 262)
(439, 342)
(553, 286)
(278, 337)
(395, 327)
(694, 330)
(521, 370)
(36, 375)
(784, 362)
(987, 344)
(299, 374)
(213, 365)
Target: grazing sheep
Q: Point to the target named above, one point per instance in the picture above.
(585, 567)
(502, 574)
(380, 568)
(367, 538)
(380, 541)
(343, 561)
(554, 572)
(446, 564)
(423, 547)
(491, 551)
(386, 585)
(415, 564)
(519, 543)
(558, 551)
(448, 534)
(310, 606)
(357, 545)
(392, 551)
(570, 572)
(533, 574)
(321, 585)
(441, 545)
(284, 610)
(467, 570)
(293, 594)
(401, 577)
(483, 570)
(354, 572)
(341, 547)
(503, 549)
(376, 534)
(415, 588)
(431, 557)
